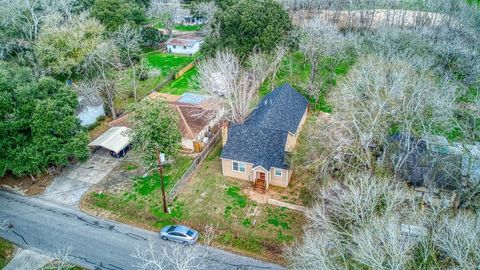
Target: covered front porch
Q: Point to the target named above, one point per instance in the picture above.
(261, 179)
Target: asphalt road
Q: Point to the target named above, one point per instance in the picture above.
(42, 226)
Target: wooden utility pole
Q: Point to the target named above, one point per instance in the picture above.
(162, 181)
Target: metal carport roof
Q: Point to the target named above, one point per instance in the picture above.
(115, 139)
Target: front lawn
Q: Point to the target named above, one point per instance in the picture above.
(132, 197)
(243, 226)
(186, 83)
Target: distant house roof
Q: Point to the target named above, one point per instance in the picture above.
(261, 140)
(185, 40)
(260, 146)
(115, 139)
(281, 109)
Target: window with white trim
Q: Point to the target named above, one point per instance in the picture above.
(238, 166)
(278, 172)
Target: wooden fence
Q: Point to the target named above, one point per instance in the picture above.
(196, 163)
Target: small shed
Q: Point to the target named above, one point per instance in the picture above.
(116, 140)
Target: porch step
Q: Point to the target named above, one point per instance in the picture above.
(259, 187)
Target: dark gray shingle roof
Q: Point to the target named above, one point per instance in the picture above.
(281, 109)
(261, 140)
(260, 146)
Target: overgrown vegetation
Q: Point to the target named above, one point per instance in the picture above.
(6, 252)
(411, 78)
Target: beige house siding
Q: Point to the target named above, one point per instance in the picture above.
(292, 138)
(227, 170)
(281, 181)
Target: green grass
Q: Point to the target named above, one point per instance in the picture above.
(6, 252)
(167, 62)
(186, 83)
(295, 70)
(143, 203)
(144, 186)
(210, 199)
(188, 28)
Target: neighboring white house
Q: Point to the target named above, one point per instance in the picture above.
(88, 114)
(187, 44)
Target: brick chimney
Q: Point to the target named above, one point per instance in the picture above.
(224, 133)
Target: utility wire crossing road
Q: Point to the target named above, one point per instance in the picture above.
(95, 243)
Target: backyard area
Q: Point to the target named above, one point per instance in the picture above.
(242, 224)
(185, 83)
(295, 70)
(160, 66)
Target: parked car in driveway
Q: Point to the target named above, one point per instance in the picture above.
(179, 233)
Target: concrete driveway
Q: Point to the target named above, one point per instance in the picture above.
(69, 187)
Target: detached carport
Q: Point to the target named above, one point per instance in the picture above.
(116, 140)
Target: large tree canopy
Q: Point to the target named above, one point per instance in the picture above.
(250, 24)
(115, 13)
(61, 48)
(155, 130)
(38, 125)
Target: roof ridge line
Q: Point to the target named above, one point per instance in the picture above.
(184, 121)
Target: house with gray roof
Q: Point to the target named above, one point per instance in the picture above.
(256, 151)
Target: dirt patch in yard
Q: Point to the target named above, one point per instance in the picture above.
(24, 185)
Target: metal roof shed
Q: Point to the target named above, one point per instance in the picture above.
(115, 139)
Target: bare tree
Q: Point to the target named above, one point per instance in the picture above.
(128, 40)
(231, 85)
(175, 256)
(102, 61)
(459, 238)
(62, 259)
(168, 12)
(378, 95)
(382, 244)
(318, 41)
(207, 10)
(359, 222)
(234, 85)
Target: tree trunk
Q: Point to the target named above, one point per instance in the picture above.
(111, 105)
(162, 182)
(313, 71)
(134, 84)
